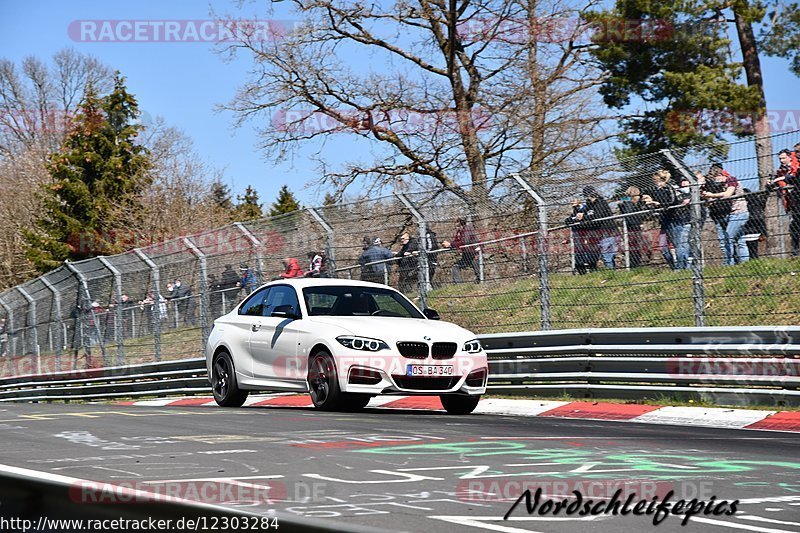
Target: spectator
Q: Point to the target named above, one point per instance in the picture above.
(597, 209)
(755, 230)
(431, 245)
(408, 262)
(315, 262)
(376, 254)
(585, 243)
(248, 279)
(731, 217)
(3, 338)
(463, 238)
(184, 302)
(291, 269)
(672, 203)
(214, 296)
(95, 323)
(126, 305)
(229, 284)
(787, 179)
(636, 212)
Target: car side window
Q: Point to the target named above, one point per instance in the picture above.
(254, 306)
(281, 295)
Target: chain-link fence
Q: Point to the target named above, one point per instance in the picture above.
(668, 239)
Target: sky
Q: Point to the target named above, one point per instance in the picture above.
(184, 82)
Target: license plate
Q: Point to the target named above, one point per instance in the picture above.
(429, 370)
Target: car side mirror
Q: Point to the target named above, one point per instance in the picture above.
(431, 314)
(284, 311)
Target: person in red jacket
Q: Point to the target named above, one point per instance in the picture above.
(464, 240)
(787, 180)
(292, 269)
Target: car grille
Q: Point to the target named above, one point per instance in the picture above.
(413, 350)
(443, 350)
(418, 383)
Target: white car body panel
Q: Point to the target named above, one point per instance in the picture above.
(275, 355)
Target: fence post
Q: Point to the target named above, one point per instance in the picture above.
(542, 236)
(329, 239)
(695, 239)
(423, 273)
(88, 308)
(58, 341)
(118, 318)
(205, 311)
(259, 248)
(31, 318)
(11, 345)
(156, 313)
(626, 243)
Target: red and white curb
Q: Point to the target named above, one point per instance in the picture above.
(717, 417)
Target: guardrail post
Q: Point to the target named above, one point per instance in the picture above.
(87, 308)
(32, 318)
(58, 341)
(542, 236)
(10, 348)
(156, 313)
(118, 318)
(259, 248)
(695, 239)
(205, 311)
(423, 273)
(329, 239)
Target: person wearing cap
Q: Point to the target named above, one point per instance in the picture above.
(373, 262)
(597, 219)
(248, 279)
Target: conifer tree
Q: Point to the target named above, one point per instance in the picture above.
(285, 203)
(248, 207)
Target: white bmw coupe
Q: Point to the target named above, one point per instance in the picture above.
(344, 342)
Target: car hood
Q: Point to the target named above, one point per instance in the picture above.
(392, 329)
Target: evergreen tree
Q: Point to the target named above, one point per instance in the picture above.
(248, 207)
(286, 202)
(96, 179)
(221, 196)
(329, 200)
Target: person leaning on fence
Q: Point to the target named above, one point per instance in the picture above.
(462, 239)
(596, 218)
(291, 269)
(730, 217)
(408, 262)
(635, 214)
(185, 302)
(585, 243)
(3, 337)
(431, 244)
(377, 254)
(229, 284)
(787, 181)
(315, 263)
(674, 218)
(248, 280)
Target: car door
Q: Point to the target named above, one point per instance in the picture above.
(239, 328)
(273, 342)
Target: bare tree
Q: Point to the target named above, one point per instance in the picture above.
(38, 101)
(432, 99)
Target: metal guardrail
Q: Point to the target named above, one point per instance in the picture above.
(732, 366)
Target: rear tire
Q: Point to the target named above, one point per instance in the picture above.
(223, 382)
(323, 383)
(459, 404)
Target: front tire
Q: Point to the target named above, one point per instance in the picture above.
(459, 404)
(323, 383)
(223, 382)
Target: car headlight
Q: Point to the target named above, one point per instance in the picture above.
(362, 343)
(473, 346)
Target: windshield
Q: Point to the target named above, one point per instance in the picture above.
(343, 300)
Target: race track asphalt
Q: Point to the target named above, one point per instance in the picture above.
(402, 470)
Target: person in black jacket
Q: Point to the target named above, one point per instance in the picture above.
(636, 213)
(597, 218)
(755, 230)
(586, 245)
(673, 205)
(408, 262)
